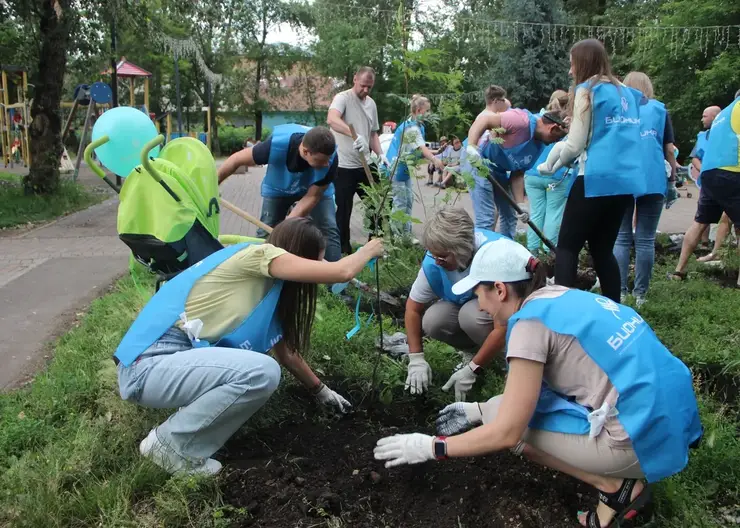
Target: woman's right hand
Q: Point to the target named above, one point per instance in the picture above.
(374, 248)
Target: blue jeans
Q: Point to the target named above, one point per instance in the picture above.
(485, 202)
(649, 208)
(275, 209)
(546, 209)
(403, 200)
(216, 390)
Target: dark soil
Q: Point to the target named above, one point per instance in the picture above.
(314, 472)
(722, 385)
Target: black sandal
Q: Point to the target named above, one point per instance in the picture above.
(620, 503)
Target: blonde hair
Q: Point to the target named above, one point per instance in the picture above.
(418, 102)
(451, 230)
(640, 81)
(558, 101)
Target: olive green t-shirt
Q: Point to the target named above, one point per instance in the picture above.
(225, 296)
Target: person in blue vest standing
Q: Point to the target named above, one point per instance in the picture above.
(432, 309)
(697, 153)
(301, 168)
(201, 343)
(408, 143)
(591, 391)
(547, 193)
(524, 137)
(656, 133)
(720, 182)
(604, 136)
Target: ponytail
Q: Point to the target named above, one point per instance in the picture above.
(417, 102)
(525, 288)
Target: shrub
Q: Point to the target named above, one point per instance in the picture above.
(231, 139)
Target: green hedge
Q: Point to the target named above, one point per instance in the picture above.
(231, 139)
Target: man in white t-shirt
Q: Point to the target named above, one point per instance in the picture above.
(353, 107)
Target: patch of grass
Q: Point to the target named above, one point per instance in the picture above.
(17, 208)
(69, 445)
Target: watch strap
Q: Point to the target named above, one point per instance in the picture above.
(440, 447)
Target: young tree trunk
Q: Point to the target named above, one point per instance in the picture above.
(46, 125)
(258, 102)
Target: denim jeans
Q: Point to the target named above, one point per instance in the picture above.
(486, 200)
(649, 208)
(546, 207)
(275, 209)
(216, 390)
(403, 200)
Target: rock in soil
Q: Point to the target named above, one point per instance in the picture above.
(496, 491)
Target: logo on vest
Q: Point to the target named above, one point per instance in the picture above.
(625, 332)
(651, 132)
(621, 120)
(625, 104)
(609, 305)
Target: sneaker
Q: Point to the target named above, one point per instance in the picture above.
(167, 459)
(640, 300)
(415, 242)
(467, 357)
(622, 298)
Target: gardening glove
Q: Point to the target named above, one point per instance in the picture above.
(384, 160)
(331, 399)
(524, 215)
(463, 380)
(671, 194)
(472, 154)
(458, 417)
(405, 449)
(419, 375)
(361, 145)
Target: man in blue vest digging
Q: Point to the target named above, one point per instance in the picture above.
(301, 167)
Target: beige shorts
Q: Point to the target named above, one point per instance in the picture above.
(591, 455)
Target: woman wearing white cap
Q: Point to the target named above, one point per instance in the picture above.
(591, 391)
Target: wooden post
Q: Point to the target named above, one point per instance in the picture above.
(27, 117)
(146, 93)
(169, 128)
(6, 117)
(208, 132)
(131, 91)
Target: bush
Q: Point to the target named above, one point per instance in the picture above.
(231, 139)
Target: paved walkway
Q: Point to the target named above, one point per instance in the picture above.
(48, 274)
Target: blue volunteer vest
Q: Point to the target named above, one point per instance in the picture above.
(701, 144)
(656, 404)
(558, 175)
(259, 331)
(402, 170)
(520, 157)
(722, 148)
(613, 163)
(437, 276)
(278, 180)
(652, 125)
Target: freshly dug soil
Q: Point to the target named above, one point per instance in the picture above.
(317, 472)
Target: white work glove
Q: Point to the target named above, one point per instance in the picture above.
(331, 399)
(524, 215)
(405, 449)
(472, 154)
(463, 380)
(384, 160)
(361, 145)
(553, 163)
(458, 417)
(420, 373)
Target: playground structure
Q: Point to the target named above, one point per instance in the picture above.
(15, 116)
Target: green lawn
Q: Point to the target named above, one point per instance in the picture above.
(16, 208)
(69, 445)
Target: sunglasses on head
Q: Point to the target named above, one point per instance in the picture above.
(552, 118)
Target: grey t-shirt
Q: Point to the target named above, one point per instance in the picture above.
(363, 115)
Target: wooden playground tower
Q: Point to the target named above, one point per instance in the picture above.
(15, 117)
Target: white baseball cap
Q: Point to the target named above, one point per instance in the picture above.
(502, 260)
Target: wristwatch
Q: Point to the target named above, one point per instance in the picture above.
(477, 369)
(440, 447)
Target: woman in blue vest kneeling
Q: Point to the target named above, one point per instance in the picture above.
(202, 342)
(591, 391)
(451, 241)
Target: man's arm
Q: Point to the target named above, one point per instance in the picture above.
(375, 143)
(493, 344)
(305, 205)
(336, 123)
(236, 160)
(480, 125)
(670, 156)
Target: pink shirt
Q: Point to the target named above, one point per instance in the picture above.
(516, 124)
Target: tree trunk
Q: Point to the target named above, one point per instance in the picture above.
(46, 125)
(258, 102)
(215, 144)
